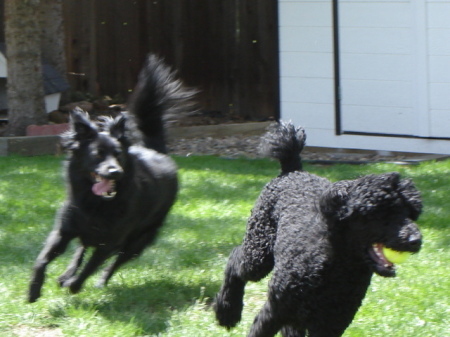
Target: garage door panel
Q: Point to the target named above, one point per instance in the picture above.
(370, 119)
(377, 68)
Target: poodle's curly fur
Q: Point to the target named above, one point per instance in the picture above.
(322, 240)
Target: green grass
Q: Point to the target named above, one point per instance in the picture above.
(168, 290)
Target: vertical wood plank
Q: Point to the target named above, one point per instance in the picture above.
(228, 49)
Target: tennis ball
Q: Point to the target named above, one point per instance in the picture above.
(395, 256)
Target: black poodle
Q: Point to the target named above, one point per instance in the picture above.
(322, 240)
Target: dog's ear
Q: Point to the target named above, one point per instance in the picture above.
(117, 128)
(334, 201)
(82, 126)
(81, 129)
(372, 194)
(412, 197)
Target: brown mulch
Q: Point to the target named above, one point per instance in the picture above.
(248, 147)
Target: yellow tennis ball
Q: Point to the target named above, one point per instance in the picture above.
(395, 256)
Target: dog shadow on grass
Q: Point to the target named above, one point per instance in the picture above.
(148, 306)
(176, 278)
(152, 305)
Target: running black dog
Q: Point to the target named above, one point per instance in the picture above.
(322, 240)
(120, 183)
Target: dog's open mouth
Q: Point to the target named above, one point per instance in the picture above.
(382, 265)
(103, 187)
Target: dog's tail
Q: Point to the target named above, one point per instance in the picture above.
(157, 98)
(285, 142)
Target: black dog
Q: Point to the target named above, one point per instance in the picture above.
(323, 241)
(120, 184)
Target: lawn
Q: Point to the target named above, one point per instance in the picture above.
(168, 290)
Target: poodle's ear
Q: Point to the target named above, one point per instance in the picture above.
(82, 126)
(373, 193)
(412, 197)
(334, 201)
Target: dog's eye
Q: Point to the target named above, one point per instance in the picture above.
(99, 155)
(386, 223)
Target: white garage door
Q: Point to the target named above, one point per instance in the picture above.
(392, 57)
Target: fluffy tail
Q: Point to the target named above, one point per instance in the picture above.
(158, 97)
(285, 142)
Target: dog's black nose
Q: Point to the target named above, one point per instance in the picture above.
(415, 241)
(114, 172)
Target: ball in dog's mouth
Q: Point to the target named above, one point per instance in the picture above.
(395, 256)
(103, 187)
(383, 266)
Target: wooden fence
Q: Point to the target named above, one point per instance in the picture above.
(226, 48)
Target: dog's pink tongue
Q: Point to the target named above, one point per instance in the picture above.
(101, 187)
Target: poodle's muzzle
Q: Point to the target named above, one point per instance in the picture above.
(409, 239)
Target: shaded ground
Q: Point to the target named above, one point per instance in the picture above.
(238, 145)
(248, 146)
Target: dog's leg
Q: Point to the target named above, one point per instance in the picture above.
(289, 331)
(129, 252)
(56, 245)
(331, 324)
(73, 266)
(240, 269)
(122, 258)
(229, 301)
(76, 282)
(248, 262)
(266, 323)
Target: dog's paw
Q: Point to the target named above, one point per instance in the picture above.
(75, 288)
(35, 291)
(73, 284)
(227, 315)
(63, 279)
(33, 295)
